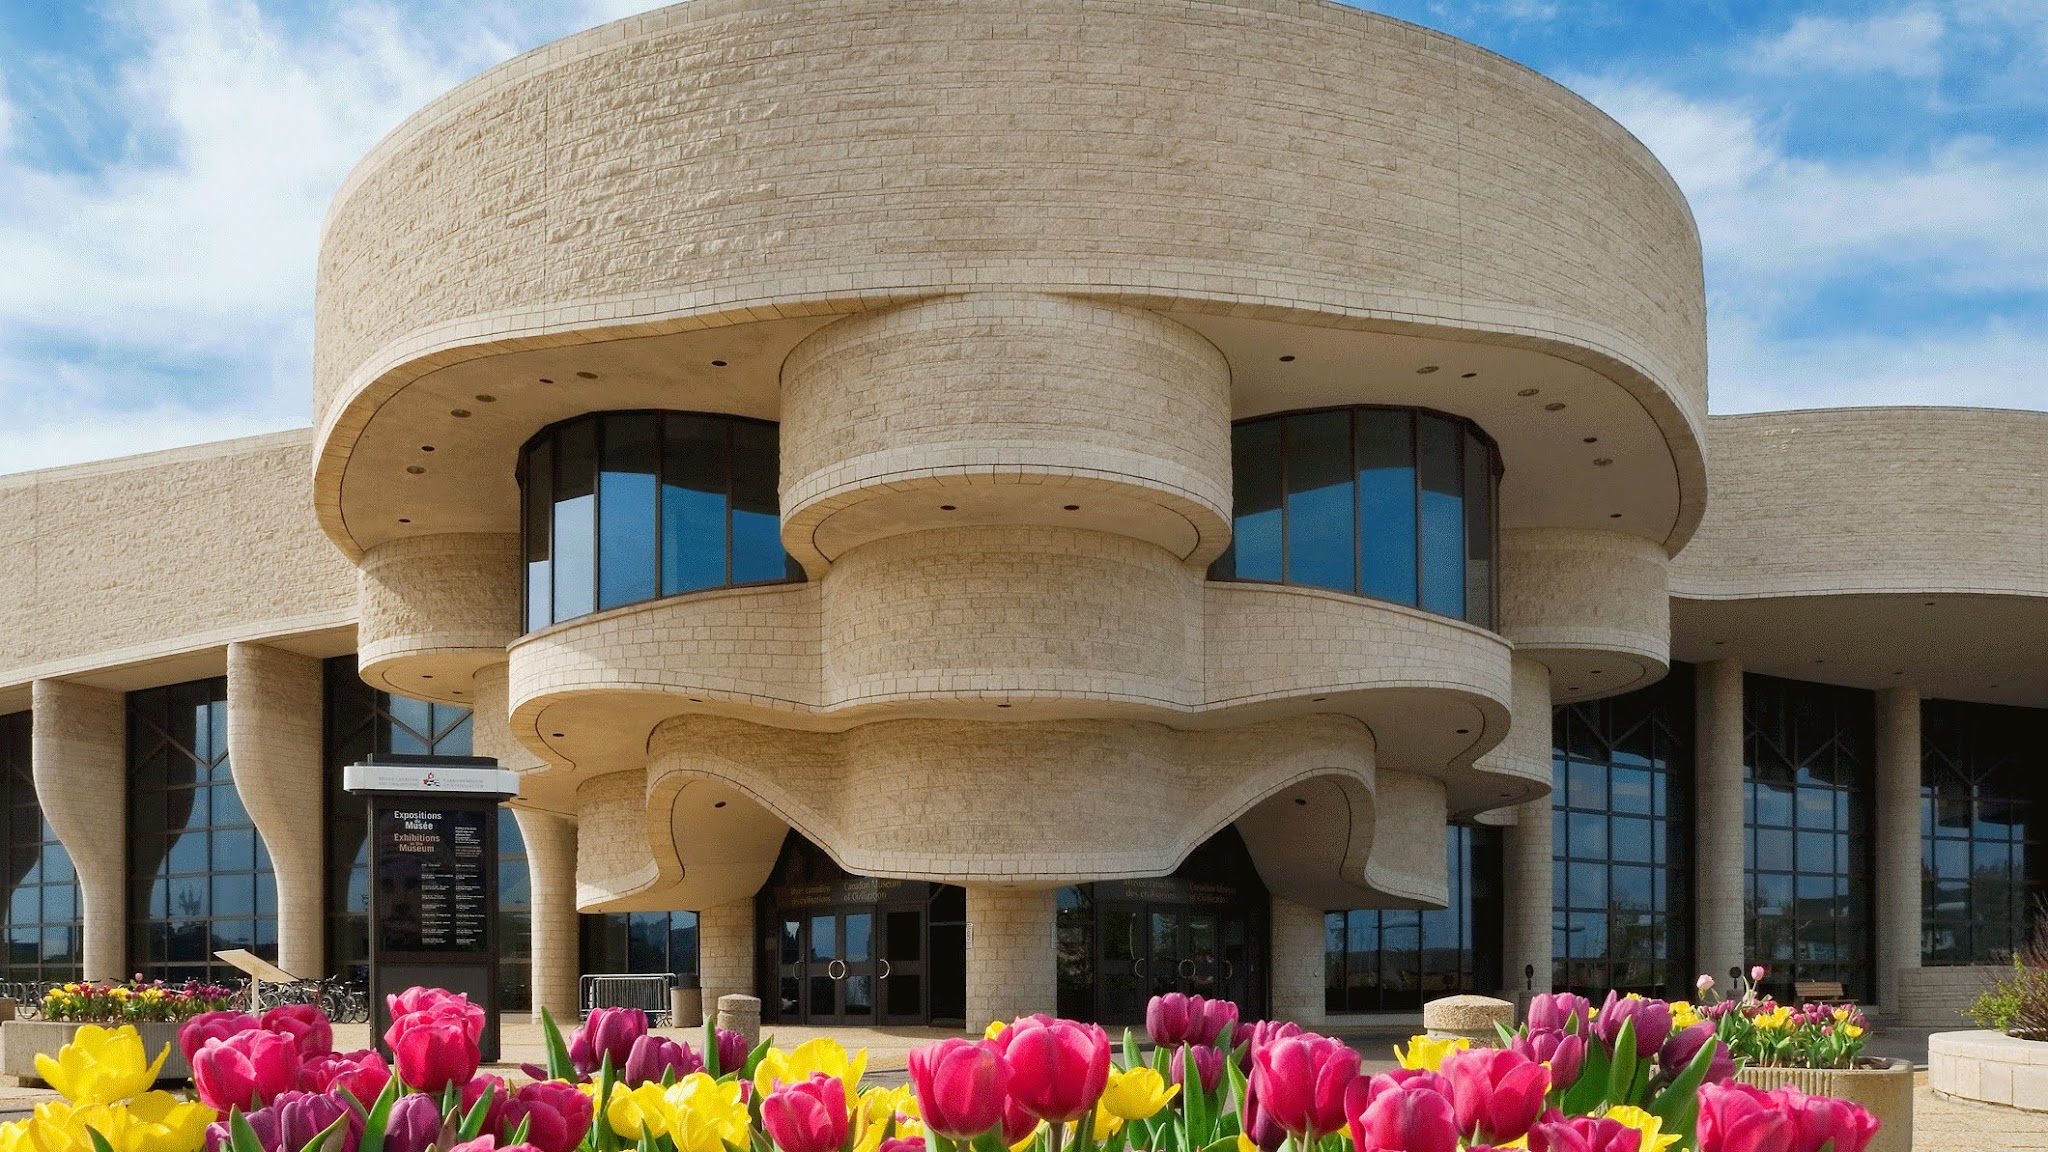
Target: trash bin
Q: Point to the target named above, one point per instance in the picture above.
(686, 1002)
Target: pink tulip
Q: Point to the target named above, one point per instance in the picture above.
(652, 1058)
(490, 1144)
(1258, 1035)
(414, 1123)
(434, 1053)
(1208, 1067)
(1558, 1133)
(1678, 1052)
(494, 1112)
(1757, 974)
(363, 1073)
(1017, 1123)
(732, 1051)
(246, 1070)
(1819, 1119)
(1259, 1127)
(1553, 1012)
(606, 1032)
(1215, 1017)
(1415, 1120)
(1564, 1052)
(960, 1087)
(1735, 1117)
(1058, 1069)
(307, 1025)
(194, 1033)
(1497, 1092)
(417, 1005)
(899, 1144)
(1169, 1019)
(807, 1116)
(1652, 1020)
(1302, 1081)
(557, 1116)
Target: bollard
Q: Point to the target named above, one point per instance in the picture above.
(1470, 1017)
(741, 1014)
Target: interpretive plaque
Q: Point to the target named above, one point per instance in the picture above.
(434, 878)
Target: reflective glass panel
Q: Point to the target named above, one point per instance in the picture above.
(1442, 470)
(41, 907)
(1256, 500)
(1984, 793)
(757, 553)
(1379, 961)
(575, 550)
(1386, 503)
(693, 494)
(1320, 517)
(626, 537)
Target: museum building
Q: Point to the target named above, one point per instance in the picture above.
(965, 508)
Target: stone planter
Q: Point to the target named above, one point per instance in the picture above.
(20, 1040)
(1884, 1087)
(1989, 1068)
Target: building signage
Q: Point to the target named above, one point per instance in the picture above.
(434, 888)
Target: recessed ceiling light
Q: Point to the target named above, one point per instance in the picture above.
(696, 699)
(1467, 375)
(426, 447)
(1425, 370)
(949, 507)
(586, 375)
(1071, 507)
(405, 519)
(1820, 660)
(1554, 406)
(1528, 391)
(718, 363)
(1464, 731)
(426, 675)
(457, 692)
(555, 735)
(1594, 672)
(1591, 440)
(720, 804)
(1614, 515)
(1720, 641)
(459, 413)
(1900, 672)
(1603, 461)
(415, 470)
(486, 398)
(1299, 800)
(547, 380)
(1287, 359)
(1317, 699)
(1927, 603)
(1002, 705)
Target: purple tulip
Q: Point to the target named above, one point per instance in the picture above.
(1552, 1012)
(607, 1032)
(414, 1122)
(1169, 1019)
(1208, 1067)
(732, 1051)
(1564, 1052)
(291, 1121)
(1652, 1020)
(652, 1058)
(1684, 1044)
(1217, 1015)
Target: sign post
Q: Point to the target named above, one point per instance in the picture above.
(434, 878)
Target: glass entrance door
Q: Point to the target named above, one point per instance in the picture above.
(906, 993)
(829, 970)
(1151, 949)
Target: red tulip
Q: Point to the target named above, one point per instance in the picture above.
(1360, 1094)
(1408, 1120)
(1260, 1034)
(474, 1090)
(1057, 1069)
(363, 1073)
(807, 1116)
(557, 1116)
(421, 1004)
(1735, 1117)
(1559, 1133)
(1497, 1092)
(434, 1052)
(1819, 1119)
(960, 1087)
(1302, 1081)
(194, 1033)
(1208, 1067)
(307, 1025)
(246, 1070)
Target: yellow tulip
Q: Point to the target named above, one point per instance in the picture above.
(153, 1122)
(820, 1055)
(101, 1065)
(15, 1138)
(994, 1029)
(1138, 1094)
(707, 1115)
(1427, 1053)
(1654, 1139)
(646, 1109)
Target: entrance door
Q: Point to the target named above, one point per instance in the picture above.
(1122, 985)
(835, 974)
(905, 990)
(1146, 949)
(1183, 951)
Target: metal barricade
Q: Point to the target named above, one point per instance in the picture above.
(649, 993)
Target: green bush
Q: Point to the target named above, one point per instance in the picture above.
(2018, 1006)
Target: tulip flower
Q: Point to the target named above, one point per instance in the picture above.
(1427, 1052)
(556, 1115)
(1652, 1020)
(414, 1123)
(434, 1052)
(1018, 1125)
(1301, 1082)
(709, 1115)
(101, 1065)
(1563, 1052)
(1554, 1012)
(732, 1052)
(1259, 1129)
(1496, 1092)
(893, 1144)
(1408, 1120)
(1557, 1133)
(960, 1086)
(364, 1073)
(653, 1058)
(1216, 1016)
(1757, 974)
(1705, 983)
(1058, 1070)
(606, 1032)
(1735, 1117)
(194, 1033)
(290, 1122)
(1137, 1094)
(1684, 1044)
(490, 1144)
(151, 1122)
(810, 1058)
(808, 1116)
(1816, 1120)
(1169, 1019)
(417, 1001)
(306, 1024)
(245, 1070)
(1208, 1067)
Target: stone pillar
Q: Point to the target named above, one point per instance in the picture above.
(551, 874)
(725, 951)
(1718, 853)
(1011, 969)
(78, 747)
(1526, 938)
(276, 745)
(1898, 839)
(1298, 963)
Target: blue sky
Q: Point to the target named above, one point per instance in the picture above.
(1871, 183)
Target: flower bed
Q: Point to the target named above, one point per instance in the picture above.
(1629, 1077)
(135, 1002)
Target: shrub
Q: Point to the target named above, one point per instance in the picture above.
(2018, 1005)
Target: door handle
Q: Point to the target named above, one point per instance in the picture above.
(885, 970)
(840, 966)
(1186, 968)
(1229, 970)
(1138, 967)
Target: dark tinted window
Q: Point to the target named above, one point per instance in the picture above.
(44, 935)
(1984, 769)
(1396, 960)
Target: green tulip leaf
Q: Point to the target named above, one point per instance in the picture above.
(559, 1067)
(99, 1142)
(473, 1120)
(1131, 1057)
(1621, 1075)
(1589, 1090)
(332, 1132)
(241, 1137)
(380, 1117)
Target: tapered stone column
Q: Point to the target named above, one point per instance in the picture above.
(1011, 938)
(78, 747)
(1898, 838)
(725, 951)
(1297, 965)
(1718, 826)
(1527, 844)
(275, 744)
(551, 873)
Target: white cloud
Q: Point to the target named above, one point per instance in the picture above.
(1902, 43)
(1996, 365)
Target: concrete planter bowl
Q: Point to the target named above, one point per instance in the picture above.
(20, 1040)
(1989, 1068)
(1884, 1087)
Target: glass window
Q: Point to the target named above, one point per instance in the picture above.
(1395, 960)
(1806, 772)
(1385, 502)
(623, 507)
(1983, 771)
(640, 942)
(190, 831)
(44, 935)
(1621, 766)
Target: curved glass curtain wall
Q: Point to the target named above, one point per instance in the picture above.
(1620, 827)
(45, 939)
(1394, 503)
(1389, 960)
(1984, 769)
(621, 507)
(361, 721)
(199, 875)
(1807, 767)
